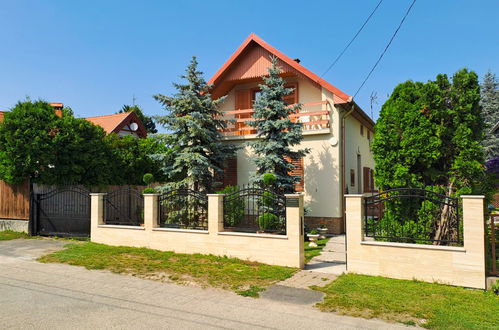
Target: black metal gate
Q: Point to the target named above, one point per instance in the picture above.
(63, 212)
(124, 207)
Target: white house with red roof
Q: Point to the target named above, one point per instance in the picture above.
(335, 129)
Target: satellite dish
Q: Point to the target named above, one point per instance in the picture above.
(134, 127)
(333, 141)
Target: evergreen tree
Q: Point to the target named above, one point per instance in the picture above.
(146, 120)
(490, 111)
(429, 136)
(195, 123)
(277, 133)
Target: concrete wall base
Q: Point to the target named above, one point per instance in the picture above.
(14, 225)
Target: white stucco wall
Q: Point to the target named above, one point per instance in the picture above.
(356, 144)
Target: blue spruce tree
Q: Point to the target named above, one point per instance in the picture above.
(277, 133)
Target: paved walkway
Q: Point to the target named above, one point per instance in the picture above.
(54, 296)
(323, 268)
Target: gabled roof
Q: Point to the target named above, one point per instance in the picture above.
(253, 38)
(117, 122)
(340, 98)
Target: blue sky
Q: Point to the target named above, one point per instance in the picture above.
(94, 56)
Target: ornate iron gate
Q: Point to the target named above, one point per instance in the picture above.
(183, 209)
(124, 207)
(64, 211)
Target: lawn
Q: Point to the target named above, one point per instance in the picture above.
(311, 252)
(244, 277)
(9, 234)
(433, 306)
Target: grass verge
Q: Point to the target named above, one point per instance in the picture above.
(433, 306)
(311, 252)
(243, 277)
(9, 234)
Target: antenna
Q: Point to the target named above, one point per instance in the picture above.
(133, 99)
(374, 100)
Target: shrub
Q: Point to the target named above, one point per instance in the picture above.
(268, 221)
(268, 199)
(148, 178)
(314, 232)
(234, 210)
(149, 190)
(269, 179)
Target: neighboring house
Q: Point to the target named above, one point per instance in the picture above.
(127, 123)
(335, 128)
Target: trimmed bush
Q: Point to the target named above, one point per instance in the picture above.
(268, 221)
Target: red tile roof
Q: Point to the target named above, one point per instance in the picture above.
(1, 116)
(340, 97)
(116, 122)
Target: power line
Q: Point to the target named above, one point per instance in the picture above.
(386, 48)
(353, 39)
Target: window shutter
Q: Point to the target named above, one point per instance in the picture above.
(372, 179)
(367, 179)
(230, 173)
(299, 171)
(243, 102)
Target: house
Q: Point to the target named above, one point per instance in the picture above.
(335, 129)
(123, 124)
(126, 123)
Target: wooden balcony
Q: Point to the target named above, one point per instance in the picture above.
(314, 116)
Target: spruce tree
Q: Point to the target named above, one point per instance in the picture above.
(194, 121)
(489, 100)
(277, 133)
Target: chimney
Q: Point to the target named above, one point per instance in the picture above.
(297, 60)
(58, 108)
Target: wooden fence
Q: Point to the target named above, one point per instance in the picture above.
(14, 201)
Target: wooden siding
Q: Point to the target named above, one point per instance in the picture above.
(14, 201)
(255, 64)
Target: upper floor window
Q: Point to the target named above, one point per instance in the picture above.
(361, 129)
(288, 99)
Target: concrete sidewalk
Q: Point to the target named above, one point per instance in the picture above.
(55, 296)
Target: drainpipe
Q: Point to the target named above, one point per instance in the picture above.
(343, 182)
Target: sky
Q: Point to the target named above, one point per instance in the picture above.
(96, 56)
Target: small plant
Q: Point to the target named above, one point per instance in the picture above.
(323, 226)
(268, 221)
(149, 190)
(313, 232)
(269, 179)
(148, 178)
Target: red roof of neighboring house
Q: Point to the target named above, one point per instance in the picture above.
(1, 116)
(340, 97)
(118, 122)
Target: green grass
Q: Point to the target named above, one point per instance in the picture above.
(243, 277)
(9, 234)
(311, 252)
(433, 306)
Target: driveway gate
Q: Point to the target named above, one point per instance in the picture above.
(64, 211)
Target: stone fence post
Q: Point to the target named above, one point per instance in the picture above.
(474, 236)
(295, 227)
(96, 211)
(151, 206)
(215, 213)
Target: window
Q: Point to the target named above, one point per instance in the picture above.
(361, 130)
(368, 134)
(289, 99)
(352, 177)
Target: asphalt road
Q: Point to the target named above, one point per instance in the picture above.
(54, 296)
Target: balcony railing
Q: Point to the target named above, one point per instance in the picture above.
(315, 117)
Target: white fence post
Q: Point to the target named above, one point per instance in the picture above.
(96, 211)
(151, 211)
(295, 227)
(215, 213)
(474, 236)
